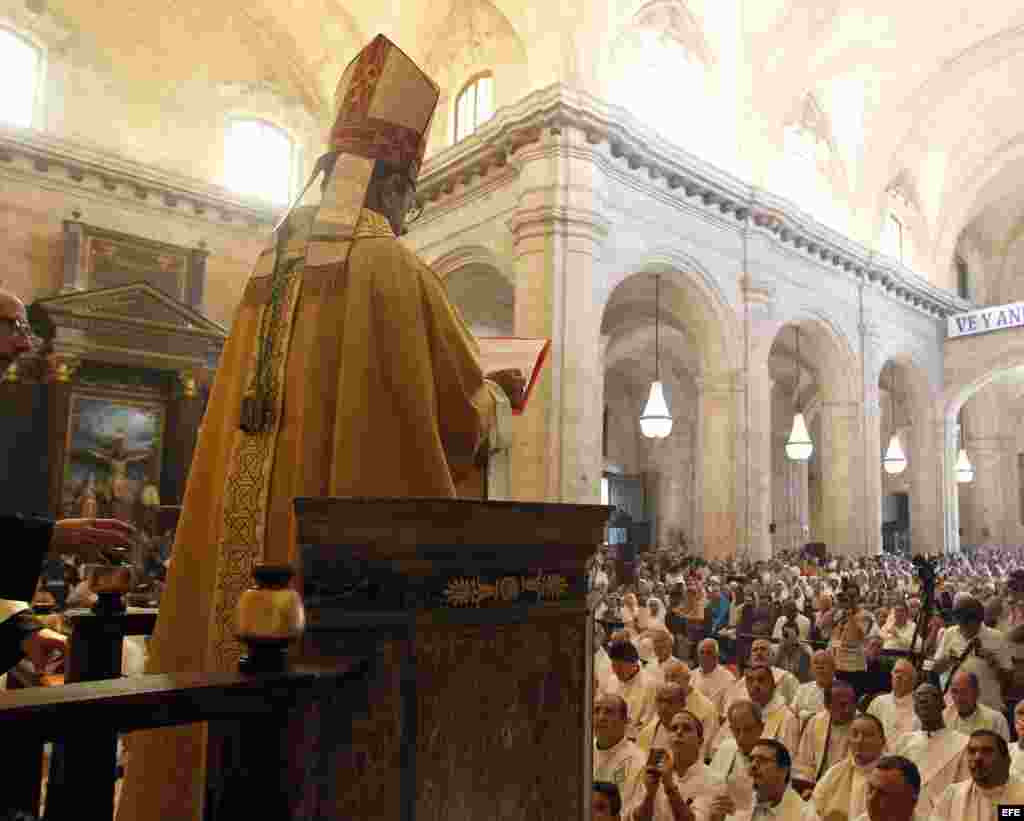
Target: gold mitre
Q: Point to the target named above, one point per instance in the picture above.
(384, 105)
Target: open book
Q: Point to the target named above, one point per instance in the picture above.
(499, 353)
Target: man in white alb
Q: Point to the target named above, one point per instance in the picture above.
(669, 700)
(790, 615)
(676, 672)
(732, 761)
(712, 678)
(678, 786)
(776, 800)
(616, 758)
(990, 784)
(810, 696)
(662, 643)
(899, 632)
(938, 751)
(632, 683)
(966, 714)
(894, 788)
(826, 737)
(786, 684)
(840, 794)
(780, 723)
(896, 708)
(1017, 750)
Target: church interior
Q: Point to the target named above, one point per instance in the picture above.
(793, 223)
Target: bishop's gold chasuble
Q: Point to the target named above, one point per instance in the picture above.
(351, 375)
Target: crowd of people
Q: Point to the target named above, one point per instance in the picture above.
(808, 687)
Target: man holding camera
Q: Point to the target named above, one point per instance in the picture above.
(972, 647)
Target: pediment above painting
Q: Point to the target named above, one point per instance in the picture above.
(136, 324)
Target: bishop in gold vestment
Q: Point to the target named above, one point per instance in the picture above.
(347, 373)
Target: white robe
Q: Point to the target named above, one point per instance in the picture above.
(779, 723)
(638, 694)
(983, 718)
(812, 754)
(848, 776)
(940, 758)
(809, 699)
(622, 765)
(967, 801)
(1016, 760)
(699, 784)
(791, 808)
(714, 685)
(786, 685)
(733, 767)
(896, 714)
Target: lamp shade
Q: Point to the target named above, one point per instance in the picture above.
(799, 446)
(655, 421)
(964, 469)
(895, 461)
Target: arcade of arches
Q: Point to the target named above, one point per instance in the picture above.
(816, 187)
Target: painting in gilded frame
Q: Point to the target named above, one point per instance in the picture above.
(112, 455)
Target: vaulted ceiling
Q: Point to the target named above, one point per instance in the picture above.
(922, 92)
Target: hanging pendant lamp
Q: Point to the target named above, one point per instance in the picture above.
(799, 446)
(656, 421)
(895, 461)
(964, 468)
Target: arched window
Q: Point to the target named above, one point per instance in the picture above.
(893, 237)
(474, 106)
(259, 160)
(20, 63)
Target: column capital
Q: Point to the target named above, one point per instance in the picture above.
(547, 220)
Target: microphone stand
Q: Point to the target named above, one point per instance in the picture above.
(926, 575)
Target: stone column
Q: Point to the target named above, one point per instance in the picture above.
(985, 495)
(759, 429)
(842, 483)
(557, 239)
(719, 400)
(870, 488)
(926, 464)
(945, 439)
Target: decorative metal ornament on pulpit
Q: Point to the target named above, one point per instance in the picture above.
(270, 616)
(895, 460)
(799, 446)
(656, 421)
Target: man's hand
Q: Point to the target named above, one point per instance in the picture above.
(43, 646)
(721, 807)
(513, 383)
(92, 539)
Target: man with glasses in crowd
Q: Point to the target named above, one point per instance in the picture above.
(30, 540)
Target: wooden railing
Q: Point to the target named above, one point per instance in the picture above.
(254, 718)
(257, 724)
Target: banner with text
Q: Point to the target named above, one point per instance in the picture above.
(986, 319)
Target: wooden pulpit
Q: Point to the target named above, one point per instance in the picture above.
(474, 617)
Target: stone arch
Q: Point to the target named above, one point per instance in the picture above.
(695, 298)
(974, 362)
(469, 255)
(483, 295)
(824, 336)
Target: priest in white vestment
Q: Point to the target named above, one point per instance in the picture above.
(826, 737)
(732, 760)
(938, 751)
(776, 800)
(898, 632)
(893, 790)
(679, 787)
(670, 699)
(896, 709)
(990, 784)
(662, 642)
(810, 696)
(785, 682)
(1016, 750)
(779, 721)
(633, 684)
(841, 793)
(616, 758)
(966, 714)
(712, 678)
(676, 672)
(973, 647)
